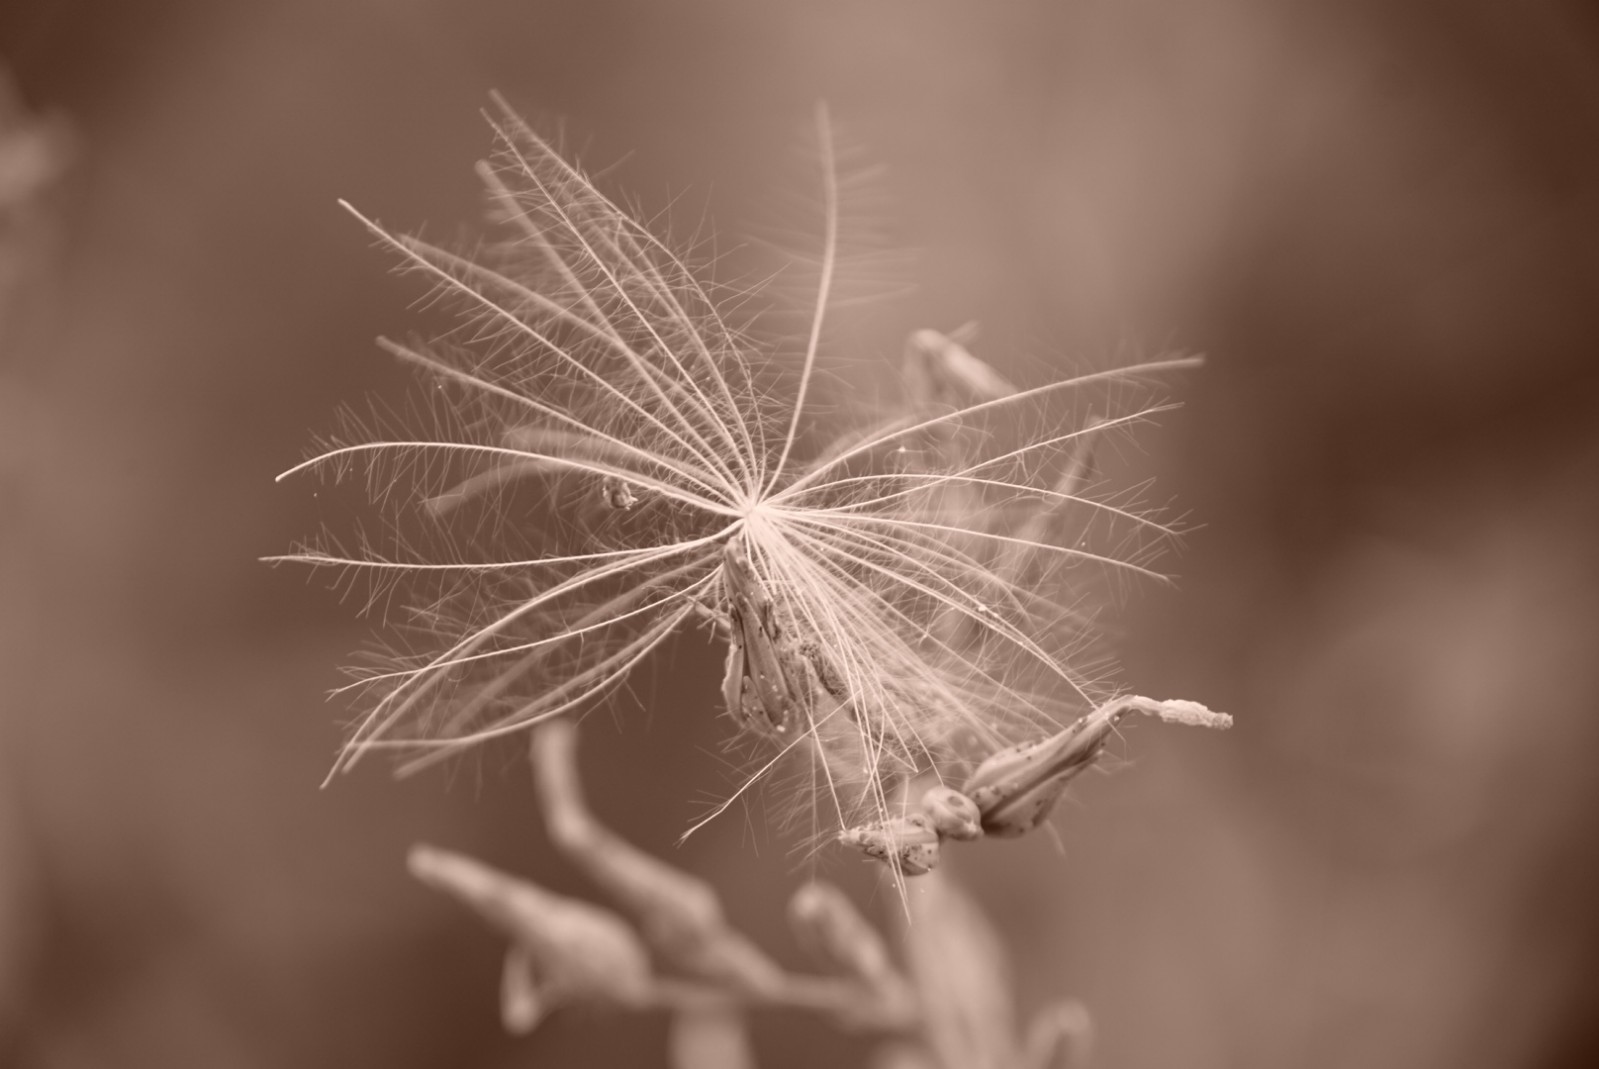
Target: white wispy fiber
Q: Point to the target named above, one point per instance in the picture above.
(603, 438)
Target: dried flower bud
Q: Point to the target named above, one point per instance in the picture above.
(1016, 788)
(954, 815)
(908, 843)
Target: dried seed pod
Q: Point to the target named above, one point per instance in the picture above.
(1016, 788)
(908, 843)
(774, 687)
(954, 815)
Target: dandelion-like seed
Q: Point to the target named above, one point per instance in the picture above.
(615, 460)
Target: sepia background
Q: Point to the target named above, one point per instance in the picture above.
(1377, 219)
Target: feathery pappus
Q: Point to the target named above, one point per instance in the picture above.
(612, 460)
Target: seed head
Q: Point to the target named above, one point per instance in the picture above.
(614, 459)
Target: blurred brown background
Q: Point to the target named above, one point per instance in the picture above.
(1379, 220)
